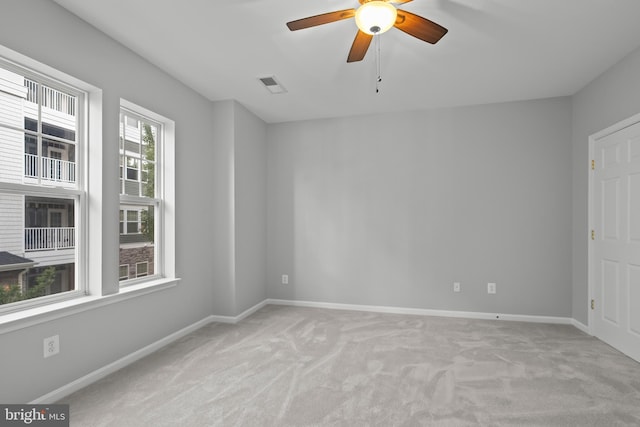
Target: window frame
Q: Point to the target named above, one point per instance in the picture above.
(164, 186)
(47, 77)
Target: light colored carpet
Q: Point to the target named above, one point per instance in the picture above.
(288, 366)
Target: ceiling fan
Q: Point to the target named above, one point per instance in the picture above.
(375, 17)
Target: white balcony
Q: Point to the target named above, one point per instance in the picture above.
(49, 170)
(49, 238)
(51, 98)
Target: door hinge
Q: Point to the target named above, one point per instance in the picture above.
(593, 304)
(593, 165)
(593, 235)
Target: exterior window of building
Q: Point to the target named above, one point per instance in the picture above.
(141, 203)
(41, 193)
(142, 269)
(133, 220)
(124, 272)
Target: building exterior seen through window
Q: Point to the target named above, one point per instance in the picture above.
(39, 164)
(140, 139)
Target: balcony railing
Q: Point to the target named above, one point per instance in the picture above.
(51, 98)
(50, 169)
(32, 93)
(49, 238)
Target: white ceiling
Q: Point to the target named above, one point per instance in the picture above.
(495, 51)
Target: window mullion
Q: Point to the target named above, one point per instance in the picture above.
(134, 200)
(39, 133)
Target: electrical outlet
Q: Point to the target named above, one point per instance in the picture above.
(491, 288)
(285, 279)
(51, 346)
(456, 286)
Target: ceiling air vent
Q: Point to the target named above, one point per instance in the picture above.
(272, 84)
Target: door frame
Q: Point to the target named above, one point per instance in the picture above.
(635, 119)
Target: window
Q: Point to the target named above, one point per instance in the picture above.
(142, 269)
(134, 220)
(124, 272)
(133, 169)
(50, 128)
(41, 190)
(143, 192)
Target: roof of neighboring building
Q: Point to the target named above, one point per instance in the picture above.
(9, 261)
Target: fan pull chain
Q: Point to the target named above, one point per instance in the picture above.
(379, 78)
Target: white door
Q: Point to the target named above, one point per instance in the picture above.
(614, 263)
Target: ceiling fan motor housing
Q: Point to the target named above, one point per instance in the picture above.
(376, 17)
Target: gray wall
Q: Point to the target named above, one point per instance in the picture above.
(90, 340)
(238, 179)
(250, 173)
(392, 209)
(223, 209)
(611, 98)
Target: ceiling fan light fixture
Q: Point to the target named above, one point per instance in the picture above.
(376, 17)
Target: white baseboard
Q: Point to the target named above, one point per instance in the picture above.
(248, 312)
(426, 312)
(235, 319)
(584, 328)
(100, 373)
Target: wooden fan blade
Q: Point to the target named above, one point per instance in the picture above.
(359, 47)
(325, 18)
(419, 27)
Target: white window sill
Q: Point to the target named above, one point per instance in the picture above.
(29, 317)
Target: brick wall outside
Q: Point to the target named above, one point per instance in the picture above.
(132, 256)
